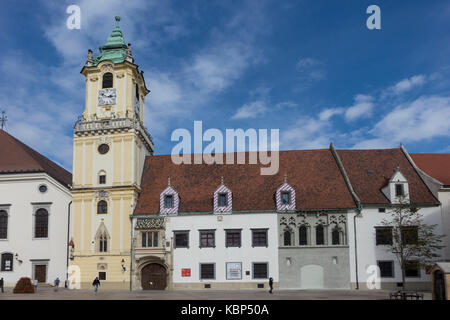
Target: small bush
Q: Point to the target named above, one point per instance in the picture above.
(24, 285)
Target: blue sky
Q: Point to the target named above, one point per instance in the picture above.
(309, 68)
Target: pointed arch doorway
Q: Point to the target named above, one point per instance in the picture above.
(154, 277)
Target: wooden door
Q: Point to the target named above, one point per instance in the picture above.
(439, 285)
(153, 277)
(40, 272)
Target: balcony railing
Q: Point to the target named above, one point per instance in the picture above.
(82, 127)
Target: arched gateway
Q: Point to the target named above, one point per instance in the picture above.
(154, 277)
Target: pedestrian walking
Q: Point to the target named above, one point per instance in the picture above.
(1, 285)
(56, 284)
(35, 283)
(271, 284)
(96, 283)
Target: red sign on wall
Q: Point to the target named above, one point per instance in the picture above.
(185, 272)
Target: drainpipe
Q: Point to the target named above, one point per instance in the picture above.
(67, 243)
(356, 243)
(131, 252)
(355, 199)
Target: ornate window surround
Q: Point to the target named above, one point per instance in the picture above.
(223, 189)
(176, 201)
(285, 187)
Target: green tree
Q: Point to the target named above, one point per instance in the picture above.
(412, 239)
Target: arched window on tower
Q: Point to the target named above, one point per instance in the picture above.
(107, 80)
(103, 243)
(102, 177)
(137, 92)
(102, 207)
(102, 239)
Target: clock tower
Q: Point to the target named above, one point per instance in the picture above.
(110, 146)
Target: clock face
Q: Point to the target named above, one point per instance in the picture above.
(107, 96)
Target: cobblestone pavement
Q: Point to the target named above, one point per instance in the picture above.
(47, 293)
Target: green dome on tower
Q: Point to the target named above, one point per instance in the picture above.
(115, 48)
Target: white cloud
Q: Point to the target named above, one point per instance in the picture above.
(422, 119)
(328, 113)
(307, 133)
(286, 104)
(250, 110)
(361, 108)
(408, 84)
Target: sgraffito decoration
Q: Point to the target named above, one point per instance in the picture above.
(150, 223)
(222, 189)
(285, 187)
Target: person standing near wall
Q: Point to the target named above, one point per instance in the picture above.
(56, 284)
(271, 284)
(1, 284)
(96, 283)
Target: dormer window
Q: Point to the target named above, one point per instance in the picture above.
(168, 201)
(223, 202)
(285, 198)
(399, 192)
(397, 189)
(107, 80)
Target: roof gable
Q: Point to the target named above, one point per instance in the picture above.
(436, 165)
(370, 171)
(17, 157)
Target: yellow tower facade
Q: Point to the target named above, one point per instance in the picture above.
(110, 146)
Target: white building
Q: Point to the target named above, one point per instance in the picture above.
(200, 227)
(435, 171)
(379, 178)
(34, 203)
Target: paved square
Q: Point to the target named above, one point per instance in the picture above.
(47, 293)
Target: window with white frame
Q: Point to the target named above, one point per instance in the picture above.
(7, 261)
(41, 223)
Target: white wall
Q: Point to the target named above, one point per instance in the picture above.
(191, 257)
(21, 192)
(369, 252)
(444, 198)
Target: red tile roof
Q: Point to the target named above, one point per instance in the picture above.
(370, 170)
(436, 165)
(16, 157)
(314, 175)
